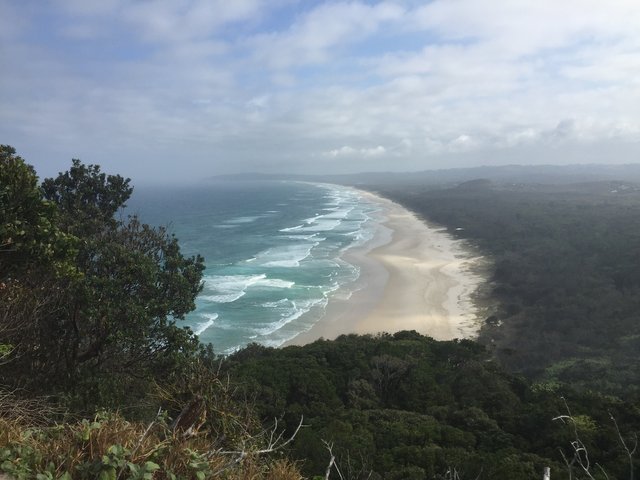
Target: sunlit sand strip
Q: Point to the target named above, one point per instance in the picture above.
(413, 277)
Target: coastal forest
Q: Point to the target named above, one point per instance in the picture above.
(98, 379)
(563, 300)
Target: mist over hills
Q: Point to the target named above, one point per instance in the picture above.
(524, 174)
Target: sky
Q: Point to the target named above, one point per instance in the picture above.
(180, 90)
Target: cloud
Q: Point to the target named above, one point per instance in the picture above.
(589, 129)
(523, 27)
(161, 21)
(213, 86)
(347, 151)
(171, 21)
(312, 38)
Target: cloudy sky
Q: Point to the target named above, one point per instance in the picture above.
(169, 90)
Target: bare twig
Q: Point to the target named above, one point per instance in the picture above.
(580, 453)
(146, 432)
(452, 474)
(630, 451)
(567, 463)
(332, 461)
(275, 443)
(144, 435)
(36, 411)
(603, 471)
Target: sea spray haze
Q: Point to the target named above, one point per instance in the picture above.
(273, 253)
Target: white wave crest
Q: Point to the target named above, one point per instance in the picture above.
(275, 283)
(229, 288)
(202, 327)
(285, 302)
(299, 309)
(246, 219)
(292, 229)
(286, 256)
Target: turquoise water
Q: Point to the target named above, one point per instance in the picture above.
(273, 253)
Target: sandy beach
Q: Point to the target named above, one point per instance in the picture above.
(413, 276)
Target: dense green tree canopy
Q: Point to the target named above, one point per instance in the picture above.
(406, 406)
(87, 198)
(109, 323)
(30, 237)
(564, 286)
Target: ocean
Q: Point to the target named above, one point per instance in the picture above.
(274, 253)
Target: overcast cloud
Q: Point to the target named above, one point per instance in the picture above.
(184, 89)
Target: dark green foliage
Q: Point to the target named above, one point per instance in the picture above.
(30, 237)
(407, 406)
(565, 274)
(89, 304)
(101, 332)
(34, 253)
(87, 198)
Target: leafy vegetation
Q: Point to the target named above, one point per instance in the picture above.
(30, 237)
(565, 275)
(109, 447)
(90, 305)
(102, 329)
(407, 406)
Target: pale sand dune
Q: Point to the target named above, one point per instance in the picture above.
(413, 277)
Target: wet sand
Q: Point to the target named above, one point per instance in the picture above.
(413, 276)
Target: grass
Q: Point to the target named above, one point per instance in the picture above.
(109, 447)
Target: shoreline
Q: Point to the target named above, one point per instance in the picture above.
(412, 277)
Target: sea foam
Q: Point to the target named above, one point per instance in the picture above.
(229, 288)
(202, 327)
(298, 309)
(279, 264)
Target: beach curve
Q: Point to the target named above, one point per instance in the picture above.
(413, 276)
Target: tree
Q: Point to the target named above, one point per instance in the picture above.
(120, 321)
(33, 252)
(87, 198)
(29, 235)
(110, 327)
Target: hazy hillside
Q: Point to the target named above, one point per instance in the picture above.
(529, 174)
